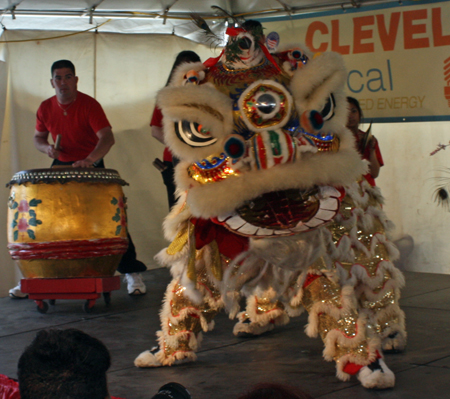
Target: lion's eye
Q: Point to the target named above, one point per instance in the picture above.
(327, 111)
(266, 103)
(245, 43)
(193, 134)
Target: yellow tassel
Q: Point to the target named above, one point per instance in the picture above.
(179, 242)
(216, 262)
(191, 272)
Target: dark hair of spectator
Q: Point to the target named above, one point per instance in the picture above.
(63, 64)
(353, 101)
(64, 364)
(274, 391)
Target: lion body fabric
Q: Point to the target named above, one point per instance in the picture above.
(273, 207)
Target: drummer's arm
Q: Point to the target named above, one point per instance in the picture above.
(41, 143)
(105, 142)
(374, 164)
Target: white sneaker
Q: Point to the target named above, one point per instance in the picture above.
(16, 293)
(135, 285)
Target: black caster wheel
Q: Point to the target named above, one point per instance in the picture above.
(87, 308)
(107, 298)
(43, 307)
(52, 302)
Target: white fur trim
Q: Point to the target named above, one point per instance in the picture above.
(333, 169)
(179, 74)
(377, 379)
(201, 104)
(147, 359)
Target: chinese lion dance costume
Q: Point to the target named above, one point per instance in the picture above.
(273, 207)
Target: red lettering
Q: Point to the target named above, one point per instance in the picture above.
(436, 23)
(312, 28)
(359, 34)
(335, 46)
(388, 37)
(410, 29)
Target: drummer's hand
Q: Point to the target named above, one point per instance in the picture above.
(52, 152)
(83, 163)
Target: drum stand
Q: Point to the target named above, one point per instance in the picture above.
(89, 288)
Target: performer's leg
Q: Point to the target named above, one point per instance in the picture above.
(361, 231)
(262, 313)
(182, 323)
(379, 281)
(379, 300)
(334, 316)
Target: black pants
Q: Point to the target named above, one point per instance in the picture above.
(129, 262)
(168, 178)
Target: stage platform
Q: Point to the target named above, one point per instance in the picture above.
(227, 365)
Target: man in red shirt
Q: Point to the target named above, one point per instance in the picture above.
(85, 138)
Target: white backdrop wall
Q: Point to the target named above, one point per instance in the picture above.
(408, 181)
(123, 72)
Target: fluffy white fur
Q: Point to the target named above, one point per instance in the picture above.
(312, 84)
(377, 379)
(179, 74)
(201, 104)
(334, 169)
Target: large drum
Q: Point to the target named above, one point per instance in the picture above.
(67, 222)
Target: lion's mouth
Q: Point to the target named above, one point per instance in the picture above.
(282, 213)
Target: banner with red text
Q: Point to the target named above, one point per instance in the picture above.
(397, 57)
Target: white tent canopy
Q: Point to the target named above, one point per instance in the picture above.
(156, 16)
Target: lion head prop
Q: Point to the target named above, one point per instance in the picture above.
(266, 167)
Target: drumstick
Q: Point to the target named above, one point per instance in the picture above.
(58, 142)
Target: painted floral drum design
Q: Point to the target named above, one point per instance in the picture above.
(67, 222)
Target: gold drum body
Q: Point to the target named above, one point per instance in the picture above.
(67, 222)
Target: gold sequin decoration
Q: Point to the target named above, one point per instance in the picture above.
(347, 205)
(347, 324)
(206, 176)
(366, 237)
(322, 290)
(371, 264)
(265, 305)
(180, 302)
(338, 230)
(183, 346)
(190, 324)
(360, 351)
(386, 323)
(387, 299)
(203, 280)
(326, 146)
(386, 277)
